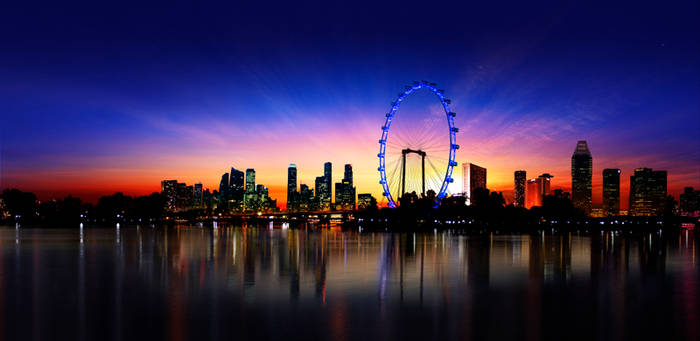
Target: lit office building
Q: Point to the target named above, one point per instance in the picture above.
(473, 177)
(611, 192)
(345, 191)
(328, 188)
(305, 197)
(519, 189)
(223, 188)
(581, 177)
(236, 189)
(321, 193)
(183, 197)
(198, 196)
(168, 189)
(250, 198)
(250, 180)
(647, 192)
(536, 189)
(292, 194)
(365, 201)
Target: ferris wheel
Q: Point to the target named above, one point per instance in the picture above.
(415, 154)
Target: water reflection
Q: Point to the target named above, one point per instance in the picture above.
(227, 282)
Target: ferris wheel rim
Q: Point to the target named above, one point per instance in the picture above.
(450, 115)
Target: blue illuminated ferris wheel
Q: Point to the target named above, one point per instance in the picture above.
(414, 143)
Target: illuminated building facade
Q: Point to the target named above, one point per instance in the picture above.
(581, 177)
(647, 192)
(306, 196)
(236, 189)
(198, 195)
(327, 194)
(473, 177)
(292, 194)
(321, 192)
(536, 189)
(183, 197)
(611, 192)
(250, 198)
(365, 201)
(250, 180)
(345, 191)
(168, 189)
(519, 188)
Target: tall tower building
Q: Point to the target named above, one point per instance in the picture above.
(581, 177)
(223, 188)
(611, 192)
(473, 177)
(168, 189)
(321, 192)
(305, 197)
(198, 192)
(348, 173)
(292, 188)
(345, 191)
(519, 193)
(326, 199)
(647, 192)
(250, 180)
(237, 188)
(250, 197)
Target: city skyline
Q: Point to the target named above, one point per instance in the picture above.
(87, 118)
(282, 191)
(540, 186)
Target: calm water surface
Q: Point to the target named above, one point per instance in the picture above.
(260, 283)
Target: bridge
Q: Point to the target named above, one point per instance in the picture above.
(321, 216)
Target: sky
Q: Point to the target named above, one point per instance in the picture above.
(100, 97)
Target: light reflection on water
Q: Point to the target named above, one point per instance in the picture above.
(248, 283)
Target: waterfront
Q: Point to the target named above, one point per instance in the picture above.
(270, 282)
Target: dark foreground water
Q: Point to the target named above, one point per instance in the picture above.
(260, 283)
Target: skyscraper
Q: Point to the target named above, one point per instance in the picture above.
(345, 191)
(250, 197)
(198, 198)
(292, 202)
(581, 177)
(327, 196)
(321, 192)
(305, 196)
(537, 189)
(339, 195)
(223, 189)
(168, 189)
(348, 173)
(532, 194)
(519, 193)
(236, 189)
(647, 192)
(611, 192)
(183, 197)
(473, 177)
(250, 180)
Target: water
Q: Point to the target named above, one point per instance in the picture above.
(260, 283)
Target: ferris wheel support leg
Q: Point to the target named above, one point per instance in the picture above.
(423, 173)
(403, 175)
